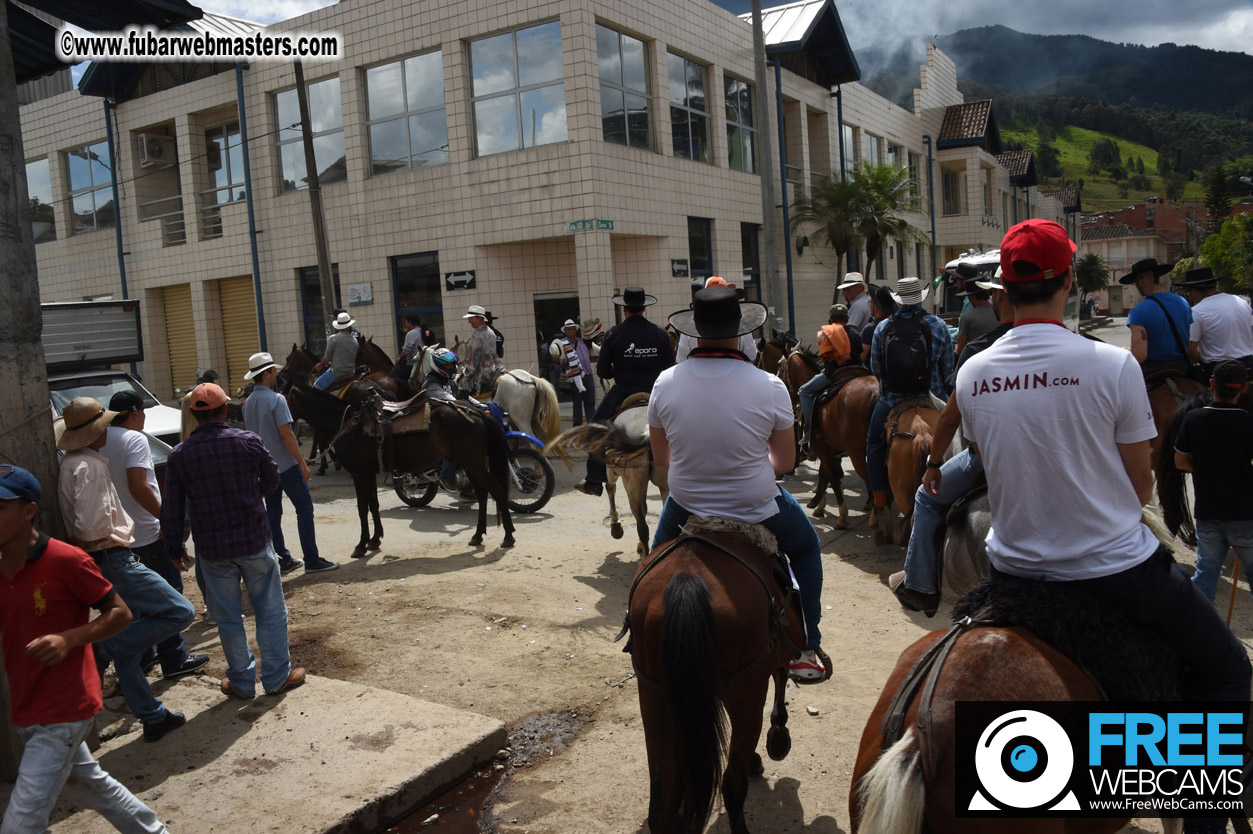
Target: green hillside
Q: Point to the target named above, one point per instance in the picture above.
(1099, 190)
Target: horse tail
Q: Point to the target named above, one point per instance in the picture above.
(1171, 489)
(689, 658)
(603, 441)
(893, 795)
(547, 410)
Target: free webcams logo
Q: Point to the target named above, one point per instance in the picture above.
(1099, 759)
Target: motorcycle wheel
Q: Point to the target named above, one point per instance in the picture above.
(536, 477)
(416, 490)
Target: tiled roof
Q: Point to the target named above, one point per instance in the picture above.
(1016, 162)
(965, 122)
(1112, 231)
(1067, 195)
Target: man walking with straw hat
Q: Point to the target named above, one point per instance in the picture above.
(1160, 323)
(96, 522)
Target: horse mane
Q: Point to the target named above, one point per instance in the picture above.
(812, 360)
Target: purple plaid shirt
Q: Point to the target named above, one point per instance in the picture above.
(223, 473)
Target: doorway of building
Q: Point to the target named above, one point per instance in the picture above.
(551, 311)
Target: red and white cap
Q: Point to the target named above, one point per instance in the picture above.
(1040, 248)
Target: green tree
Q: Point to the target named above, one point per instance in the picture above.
(1229, 252)
(1174, 183)
(1163, 162)
(1044, 131)
(1217, 198)
(834, 206)
(1048, 160)
(1139, 165)
(887, 194)
(1123, 191)
(1091, 274)
(1140, 182)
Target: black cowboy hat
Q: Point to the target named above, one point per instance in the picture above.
(634, 297)
(718, 313)
(884, 299)
(1146, 265)
(964, 271)
(977, 291)
(1199, 277)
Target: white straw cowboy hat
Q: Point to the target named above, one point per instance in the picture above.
(81, 422)
(570, 323)
(343, 321)
(718, 313)
(852, 279)
(475, 310)
(911, 290)
(258, 364)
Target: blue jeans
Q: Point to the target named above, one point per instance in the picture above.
(448, 469)
(796, 538)
(1213, 539)
(53, 754)
(808, 392)
(171, 651)
(958, 475)
(158, 612)
(260, 575)
(324, 381)
(292, 484)
(876, 448)
(584, 404)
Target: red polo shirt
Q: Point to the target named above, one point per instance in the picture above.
(53, 591)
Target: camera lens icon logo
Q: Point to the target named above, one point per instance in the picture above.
(1024, 760)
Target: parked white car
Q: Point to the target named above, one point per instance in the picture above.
(163, 422)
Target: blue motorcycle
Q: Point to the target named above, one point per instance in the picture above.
(531, 477)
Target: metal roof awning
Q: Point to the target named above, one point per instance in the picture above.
(809, 40)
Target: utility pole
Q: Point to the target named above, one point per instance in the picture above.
(771, 293)
(330, 298)
(25, 419)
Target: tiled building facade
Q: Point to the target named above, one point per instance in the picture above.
(456, 144)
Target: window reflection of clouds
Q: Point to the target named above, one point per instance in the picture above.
(492, 60)
(408, 128)
(689, 120)
(428, 138)
(424, 81)
(623, 88)
(39, 181)
(543, 116)
(634, 66)
(607, 51)
(513, 111)
(497, 123)
(324, 109)
(388, 151)
(327, 124)
(384, 95)
(539, 54)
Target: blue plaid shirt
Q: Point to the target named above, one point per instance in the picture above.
(941, 354)
(224, 472)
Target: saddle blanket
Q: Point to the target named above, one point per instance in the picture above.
(415, 421)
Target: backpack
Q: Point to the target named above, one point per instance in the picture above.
(907, 357)
(500, 342)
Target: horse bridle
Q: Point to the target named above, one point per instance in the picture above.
(776, 621)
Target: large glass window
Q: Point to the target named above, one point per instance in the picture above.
(226, 163)
(327, 120)
(750, 261)
(311, 305)
(700, 250)
(416, 288)
(519, 90)
(953, 182)
(408, 124)
(689, 112)
(850, 149)
(870, 148)
(741, 135)
(43, 220)
(915, 179)
(91, 187)
(624, 97)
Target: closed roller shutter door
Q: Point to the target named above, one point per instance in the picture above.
(239, 324)
(180, 334)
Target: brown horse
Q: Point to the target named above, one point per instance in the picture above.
(710, 629)
(908, 447)
(889, 794)
(476, 443)
(840, 429)
(300, 363)
(1166, 394)
(771, 353)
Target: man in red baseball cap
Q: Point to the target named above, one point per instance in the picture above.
(1062, 424)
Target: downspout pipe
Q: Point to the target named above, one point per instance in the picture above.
(252, 219)
(117, 206)
(839, 124)
(787, 223)
(926, 137)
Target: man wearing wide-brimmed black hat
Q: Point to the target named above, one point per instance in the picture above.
(1222, 324)
(723, 460)
(1159, 324)
(632, 355)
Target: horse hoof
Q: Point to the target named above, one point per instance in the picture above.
(778, 743)
(615, 530)
(508, 542)
(359, 553)
(819, 513)
(814, 502)
(755, 765)
(878, 538)
(842, 524)
(477, 541)
(374, 544)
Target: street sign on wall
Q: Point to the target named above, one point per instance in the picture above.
(678, 268)
(590, 224)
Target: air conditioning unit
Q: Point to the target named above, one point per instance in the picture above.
(155, 150)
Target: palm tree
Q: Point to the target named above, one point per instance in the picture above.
(888, 193)
(1091, 274)
(835, 206)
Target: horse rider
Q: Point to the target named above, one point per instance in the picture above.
(911, 355)
(838, 345)
(943, 484)
(883, 303)
(483, 365)
(1160, 323)
(1062, 424)
(441, 386)
(747, 345)
(1222, 324)
(633, 354)
(959, 277)
(573, 356)
(414, 342)
(975, 320)
(853, 290)
(727, 466)
(340, 355)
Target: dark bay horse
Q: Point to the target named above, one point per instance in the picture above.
(771, 352)
(840, 429)
(477, 444)
(710, 630)
(300, 362)
(908, 447)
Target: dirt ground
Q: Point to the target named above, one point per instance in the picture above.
(527, 631)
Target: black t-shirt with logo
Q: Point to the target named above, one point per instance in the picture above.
(635, 353)
(1220, 439)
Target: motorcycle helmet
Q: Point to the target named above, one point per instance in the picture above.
(444, 362)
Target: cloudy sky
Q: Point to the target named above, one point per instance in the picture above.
(1214, 24)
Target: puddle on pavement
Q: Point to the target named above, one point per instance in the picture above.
(465, 808)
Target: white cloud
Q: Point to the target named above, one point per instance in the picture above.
(271, 11)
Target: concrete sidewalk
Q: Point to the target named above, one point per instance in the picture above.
(326, 757)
